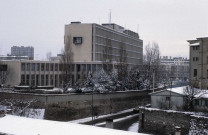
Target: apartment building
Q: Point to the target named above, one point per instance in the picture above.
(178, 67)
(23, 51)
(198, 50)
(106, 42)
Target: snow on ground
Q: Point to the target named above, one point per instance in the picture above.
(102, 116)
(134, 127)
(27, 126)
(117, 120)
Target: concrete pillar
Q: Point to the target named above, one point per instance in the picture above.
(177, 130)
(141, 122)
(109, 123)
(2, 114)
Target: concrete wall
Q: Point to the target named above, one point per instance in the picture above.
(81, 52)
(68, 107)
(164, 121)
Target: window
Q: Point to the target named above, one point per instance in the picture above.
(195, 72)
(77, 40)
(23, 67)
(167, 98)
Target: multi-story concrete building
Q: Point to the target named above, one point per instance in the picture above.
(23, 51)
(199, 62)
(45, 73)
(178, 67)
(107, 42)
(92, 45)
(14, 57)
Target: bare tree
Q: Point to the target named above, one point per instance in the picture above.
(3, 74)
(191, 94)
(151, 63)
(107, 56)
(66, 63)
(122, 66)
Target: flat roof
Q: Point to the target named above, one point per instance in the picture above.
(27, 126)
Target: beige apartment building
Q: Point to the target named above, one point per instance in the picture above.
(199, 62)
(106, 42)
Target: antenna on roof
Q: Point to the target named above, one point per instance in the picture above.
(110, 16)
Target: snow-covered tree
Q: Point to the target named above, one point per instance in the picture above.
(3, 74)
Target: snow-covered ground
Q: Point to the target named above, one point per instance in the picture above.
(102, 116)
(27, 126)
(134, 127)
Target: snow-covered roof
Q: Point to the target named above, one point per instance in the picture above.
(177, 90)
(27, 126)
(195, 44)
(180, 91)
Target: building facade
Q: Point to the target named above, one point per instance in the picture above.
(14, 58)
(107, 42)
(177, 67)
(198, 50)
(45, 73)
(23, 51)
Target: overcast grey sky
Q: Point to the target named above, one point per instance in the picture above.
(40, 23)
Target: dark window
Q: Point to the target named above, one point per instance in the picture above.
(195, 72)
(167, 98)
(28, 66)
(23, 67)
(42, 67)
(77, 40)
(196, 102)
(197, 58)
(47, 67)
(78, 67)
(38, 67)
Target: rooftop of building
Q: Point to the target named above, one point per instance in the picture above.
(112, 26)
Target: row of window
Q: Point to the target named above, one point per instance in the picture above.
(195, 58)
(115, 35)
(196, 48)
(59, 67)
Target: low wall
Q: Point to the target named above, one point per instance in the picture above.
(66, 107)
(158, 121)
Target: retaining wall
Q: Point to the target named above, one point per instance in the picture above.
(158, 121)
(66, 107)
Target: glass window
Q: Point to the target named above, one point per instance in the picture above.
(23, 66)
(33, 66)
(83, 68)
(38, 67)
(195, 72)
(28, 66)
(77, 40)
(42, 66)
(51, 66)
(47, 67)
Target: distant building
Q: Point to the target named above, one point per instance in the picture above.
(23, 51)
(199, 62)
(8, 57)
(106, 42)
(178, 67)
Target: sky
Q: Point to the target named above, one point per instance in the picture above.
(40, 23)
